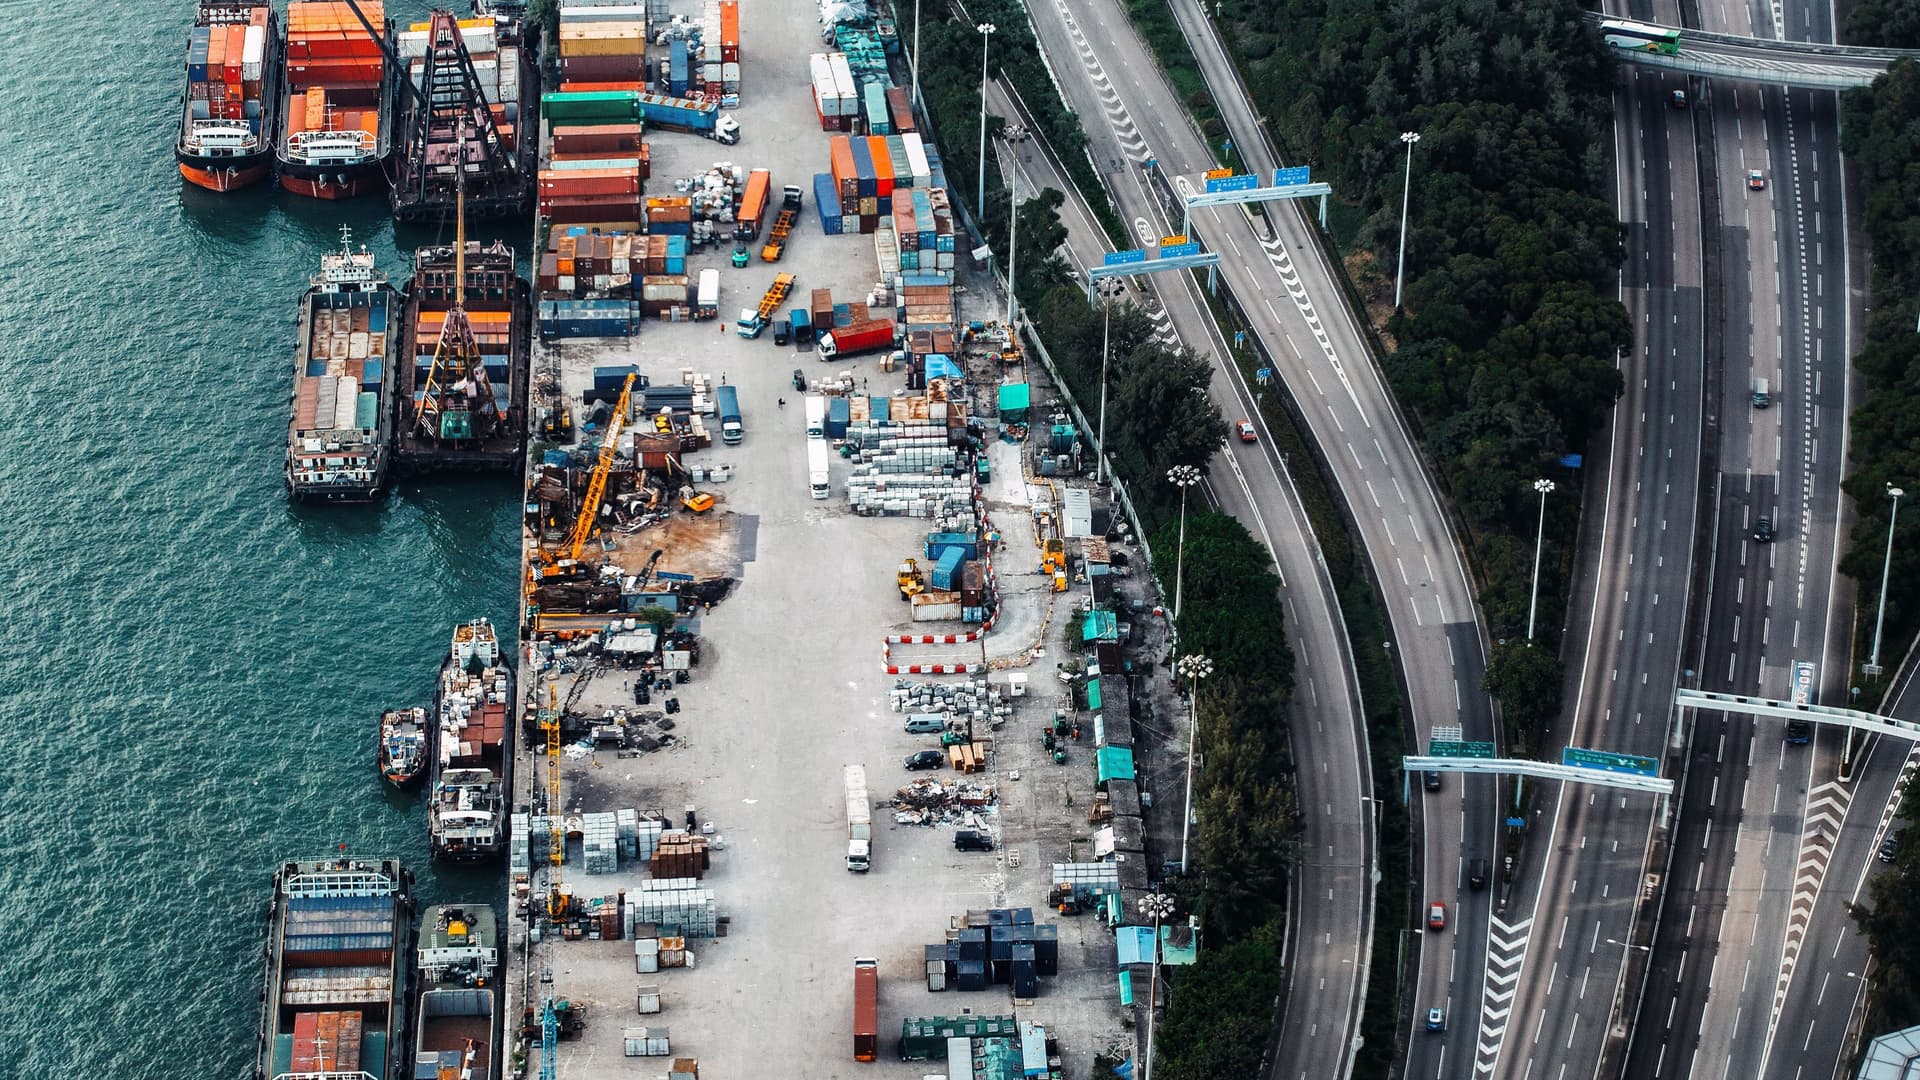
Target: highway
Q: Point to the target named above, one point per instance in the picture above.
(1133, 117)
(1755, 830)
(1628, 610)
(1331, 899)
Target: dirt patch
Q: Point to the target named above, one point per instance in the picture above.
(704, 545)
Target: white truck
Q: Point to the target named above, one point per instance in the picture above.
(816, 417)
(817, 460)
(859, 819)
(707, 304)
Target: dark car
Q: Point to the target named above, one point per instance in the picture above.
(799, 380)
(1430, 780)
(926, 759)
(972, 840)
(1477, 873)
(1678, 99)
(1763, 531)
(1888, 849)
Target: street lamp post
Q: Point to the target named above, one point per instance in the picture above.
(916, 53)
(1182, 477)
(1109, 289)
(1156, 906)
(1195, 667)
(1406, 191)
(1545, 488)
(980, 199)
(1880, 617)
(1013, 234)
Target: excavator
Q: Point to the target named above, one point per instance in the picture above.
(912, 582)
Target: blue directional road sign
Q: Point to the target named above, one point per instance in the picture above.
(1191, 247)
(1117, 258)
(1239, 338)
(1290, 177)
(1263, 374)
(1609, 762)
(1242, 182)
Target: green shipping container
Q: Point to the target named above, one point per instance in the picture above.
(879, 117)
(598, 107)
(366, 411)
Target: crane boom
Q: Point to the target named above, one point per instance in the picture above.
(597, 486)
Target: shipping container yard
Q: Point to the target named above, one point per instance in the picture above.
(770, 557)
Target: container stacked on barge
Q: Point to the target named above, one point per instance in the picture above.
(473, 81)
(337, 951)
(458, 1021)
(229, 112)
(339, 440)
(339, 96)
(467, 811)
(463, 380)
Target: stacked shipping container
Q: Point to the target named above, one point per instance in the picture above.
(868, 176)
(717, 75)
(598, 165)
(335, 65)
(225, 66)
(495, 64)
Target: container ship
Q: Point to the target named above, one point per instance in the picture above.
(467, 811)
(463, 385)
(339, 95)
(468, 85)
(406, 745)
(458, 1019)
(339, 441)
(335, 1001)
(230, 111)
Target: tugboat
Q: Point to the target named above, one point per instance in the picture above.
(405, 745)
(467, 813)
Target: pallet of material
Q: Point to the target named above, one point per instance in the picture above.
(967, 757)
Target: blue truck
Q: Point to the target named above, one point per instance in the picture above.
(727, 406)
(695, 117)
(802, 327)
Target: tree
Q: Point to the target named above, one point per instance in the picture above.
(1526, 679)
(1221, 1011)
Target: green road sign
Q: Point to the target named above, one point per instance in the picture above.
(1609, 762)
(1439, 748)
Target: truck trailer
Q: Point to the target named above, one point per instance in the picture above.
(861, 337)
(866, 1008)
(854, 777)
(727, 404)
(818, 483)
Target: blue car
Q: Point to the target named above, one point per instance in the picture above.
(1437, 1019)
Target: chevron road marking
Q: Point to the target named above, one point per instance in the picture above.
(1826, 810)
(1118, 117)
(1506, 952)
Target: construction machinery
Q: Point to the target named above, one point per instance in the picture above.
(597, 485)
(782, 225)
(697, 501)
(752, 322)
(912, 582)
(557, 897)
(557, 427)
(450, 137)
(458, 404)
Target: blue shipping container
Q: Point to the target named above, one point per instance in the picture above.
(867, 179)
(839, 414)
(946, 572)
(614, 376)
(962, 541)
(826, 199)
(370, 374)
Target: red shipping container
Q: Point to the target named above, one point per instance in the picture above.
(327, 1041)
(900, 104)
(840, 148)
(597, 140)
(574, 87)
(591, 182)
(601, 68)
(236, 48)
(882, 165)
(729, 52)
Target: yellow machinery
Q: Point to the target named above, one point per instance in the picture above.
(597, 486)
(697, 501)
(557, 833)
(1053, 555)
(911, 583)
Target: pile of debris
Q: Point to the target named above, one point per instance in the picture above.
(716, 192)
(976, 700)
(931, 802)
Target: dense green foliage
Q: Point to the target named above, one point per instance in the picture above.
(1887, 24)
(1230, 613)
(1216, 1027)
(1880, 134)
(1891, 911)
(1508, 334)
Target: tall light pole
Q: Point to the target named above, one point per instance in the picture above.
(1182, 477)
(1109, 289)
(1545, 488)
(916, 53)
(1195, 667)
(1156, 906)
(1406, 191)
(1013, 233)
(980, 199)
(1872, 666)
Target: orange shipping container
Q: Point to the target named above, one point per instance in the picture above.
(842, 150)
(729, 22)
(572, 87)
(236, 50)
(882, 165)
(316, 109)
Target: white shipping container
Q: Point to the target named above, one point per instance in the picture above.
(509, 82)
(843, 77)
(710, 52)
(579, 11)
(917, 159)
(730, 72)
(346, 400)
(253, 52)
(825, 93)
(821, 69)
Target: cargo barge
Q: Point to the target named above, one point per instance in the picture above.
(230, 108)
(463, 379)
(339, 940)
(406, 746)
(458, 1020)
(335, 134)
(468, 85)
(467, 809)
(339, 440)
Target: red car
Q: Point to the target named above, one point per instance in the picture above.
(1436, 916)
(1245, 430)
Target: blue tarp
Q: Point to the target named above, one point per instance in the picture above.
(1116, 763)
(941, 366)
(1135, 944)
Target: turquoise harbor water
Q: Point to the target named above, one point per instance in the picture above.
(190, 668)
